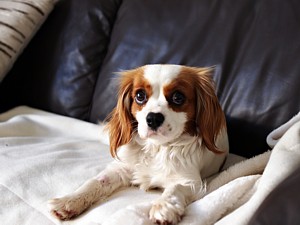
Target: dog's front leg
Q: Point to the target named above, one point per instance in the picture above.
(113, 177)
(170, 207)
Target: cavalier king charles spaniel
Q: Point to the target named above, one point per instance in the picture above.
(167, 131)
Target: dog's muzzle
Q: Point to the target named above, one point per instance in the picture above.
(155, 120)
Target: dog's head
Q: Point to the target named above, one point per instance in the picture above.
(162, 102)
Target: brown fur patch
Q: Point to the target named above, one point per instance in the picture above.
(205, 115)
(140, 83)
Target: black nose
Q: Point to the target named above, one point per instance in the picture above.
(154, 120)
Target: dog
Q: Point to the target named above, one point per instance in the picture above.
(167, 131)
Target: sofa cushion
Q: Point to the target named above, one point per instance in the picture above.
(19, 20)
(254, 44)
(282, 205)
(58, 70)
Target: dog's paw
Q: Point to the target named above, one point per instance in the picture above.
(67, 207)
(166, 211)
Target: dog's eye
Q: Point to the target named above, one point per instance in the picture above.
(178, 98)
(140, 97)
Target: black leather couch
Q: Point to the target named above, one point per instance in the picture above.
(68, 67)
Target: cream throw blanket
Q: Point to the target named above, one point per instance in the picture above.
(43, 155)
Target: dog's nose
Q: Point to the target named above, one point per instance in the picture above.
(154, 120)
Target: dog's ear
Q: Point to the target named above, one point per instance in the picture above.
(121, 122)
(210, 118)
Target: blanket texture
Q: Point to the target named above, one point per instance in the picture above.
(43, 155)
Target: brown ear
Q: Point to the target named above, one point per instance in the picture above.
(210, 117)
(121, 122)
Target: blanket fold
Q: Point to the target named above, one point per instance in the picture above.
(43, 155)
(286, 154)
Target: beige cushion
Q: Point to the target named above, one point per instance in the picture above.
(19, 20)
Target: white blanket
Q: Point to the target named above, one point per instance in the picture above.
(43, 155)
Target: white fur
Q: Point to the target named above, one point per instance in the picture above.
(159, 75)
(166, 158)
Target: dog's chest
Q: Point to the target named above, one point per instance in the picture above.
(158, 168)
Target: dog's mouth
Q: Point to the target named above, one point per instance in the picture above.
(151, 133)
(154, 133)
(160, 136)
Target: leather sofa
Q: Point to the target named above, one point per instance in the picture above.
(70, 66)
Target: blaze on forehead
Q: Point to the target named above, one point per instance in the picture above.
(161, 74)
(165, 73)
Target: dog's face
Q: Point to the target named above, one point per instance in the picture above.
(161, 102)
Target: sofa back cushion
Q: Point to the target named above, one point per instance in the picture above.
(69, 67)
(254, 44)
(58, 70)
